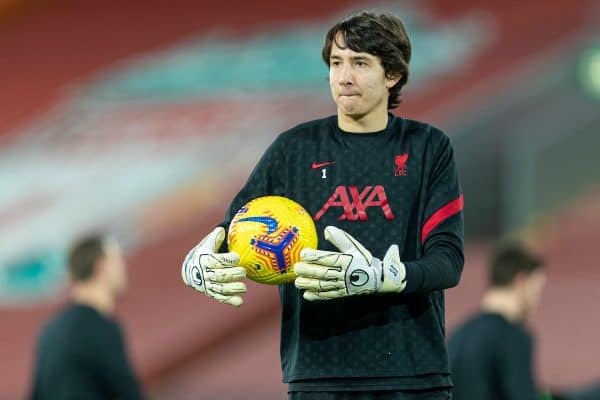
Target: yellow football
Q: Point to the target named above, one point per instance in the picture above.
(268, 233)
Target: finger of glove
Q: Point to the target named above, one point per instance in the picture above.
(317, 284)
(326, 258)
(219, 260)
(212, 241)
(198, 288)
(227, 288)
(309, 270)
(324, 295)
(225, 275)
(231, 300)
(346, 243)
(394, 271)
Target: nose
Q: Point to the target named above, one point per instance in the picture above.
(345, 77)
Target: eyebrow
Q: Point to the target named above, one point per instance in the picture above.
(353, 58)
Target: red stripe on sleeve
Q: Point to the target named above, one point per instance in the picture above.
(450, 209)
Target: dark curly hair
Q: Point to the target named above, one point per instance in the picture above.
(382, 35)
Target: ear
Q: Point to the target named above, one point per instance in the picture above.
(392, 80)
(520, 282)
(100, 269)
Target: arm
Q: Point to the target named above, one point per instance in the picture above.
(36, 384)
(516, 368)
(113, 366)
(442, 232)
(35, 390)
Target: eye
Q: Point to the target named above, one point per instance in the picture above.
(361, 64)
(334, 63)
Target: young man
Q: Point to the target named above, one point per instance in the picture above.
(80, 352)
(365, 317)
(491, 353)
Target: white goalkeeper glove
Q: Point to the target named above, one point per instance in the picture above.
(214, 274)
(353, 271)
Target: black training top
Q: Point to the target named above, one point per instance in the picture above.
(80, 355)
(397, 186)
(491, 359)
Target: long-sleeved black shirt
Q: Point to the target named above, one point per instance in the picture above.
(81, 355)
(397, 186)
(491, 359)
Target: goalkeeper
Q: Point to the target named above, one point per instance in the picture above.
(365, 317)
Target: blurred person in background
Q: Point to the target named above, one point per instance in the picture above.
(80, 351)
(355, 326)
(491, 353)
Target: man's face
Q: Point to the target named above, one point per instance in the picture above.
(358, 82)
(114, 273)
(531, 289)
(536, 283)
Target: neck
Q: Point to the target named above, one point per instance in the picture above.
(503, 302)
(372, 122)
(94, 297)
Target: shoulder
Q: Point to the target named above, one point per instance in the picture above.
(69, 326)
(88, 323)
(300, 135)
(61, 321)
(422, 131)
(482, 324)
(432, 142)
(510, 334)
(520, 334)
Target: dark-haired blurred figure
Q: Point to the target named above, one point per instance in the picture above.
(80, 351)
(491, 353)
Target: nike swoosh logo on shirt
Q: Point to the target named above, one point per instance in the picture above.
(316, 165)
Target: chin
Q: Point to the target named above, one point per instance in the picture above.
(525, 314)
(118, 292)
(347, 108)
(353, 113)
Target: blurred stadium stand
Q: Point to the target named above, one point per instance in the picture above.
(144, 118)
